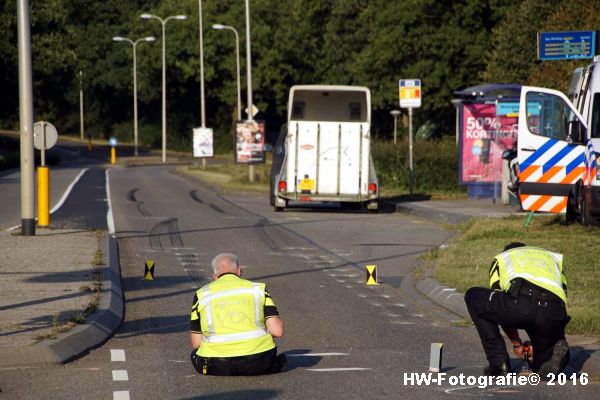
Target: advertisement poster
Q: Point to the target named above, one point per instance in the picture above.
(249, 142)
(203, 142)
(485, 134)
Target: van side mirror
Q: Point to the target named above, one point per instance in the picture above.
(576, 131)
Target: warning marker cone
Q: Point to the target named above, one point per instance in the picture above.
(372, 275)
(149, 270)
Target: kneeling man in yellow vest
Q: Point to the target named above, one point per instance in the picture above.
(233, 323)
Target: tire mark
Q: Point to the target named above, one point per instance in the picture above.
(216, 208)
(194, 196)
(167, 228)
(131, 196)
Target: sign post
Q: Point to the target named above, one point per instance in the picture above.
(44, 138)
(410, 97)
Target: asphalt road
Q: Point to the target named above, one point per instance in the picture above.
(343, 339)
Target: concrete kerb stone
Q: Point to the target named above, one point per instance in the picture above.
(98, 327)
(431, 213)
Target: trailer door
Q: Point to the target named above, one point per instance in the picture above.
(550, 151)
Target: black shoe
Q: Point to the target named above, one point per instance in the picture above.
(558, 360)
(497, 370)
(281, 363)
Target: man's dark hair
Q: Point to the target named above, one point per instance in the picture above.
(514, 245)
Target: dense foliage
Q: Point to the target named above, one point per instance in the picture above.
(448, 45)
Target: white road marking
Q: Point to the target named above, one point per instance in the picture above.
(315, 354)
(62, 199)
(109, 215)
(120, 375)
(402, 322)
(117, 355)
(178, 361)
(68, 191)
(337, 369)
(121, 395)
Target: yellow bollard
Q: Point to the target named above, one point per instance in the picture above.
(113, 155)
(43, 196)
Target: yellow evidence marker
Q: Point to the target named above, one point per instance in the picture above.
(372, 275)
(149, 270)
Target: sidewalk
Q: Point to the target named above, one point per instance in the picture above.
(585, 351)
(46, 280)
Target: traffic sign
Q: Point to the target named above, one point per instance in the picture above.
(254, 110)
(44, 135)
(112, 142)
(410, 93)
(566, 45)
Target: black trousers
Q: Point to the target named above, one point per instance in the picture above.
(544, 322)
(254, 364)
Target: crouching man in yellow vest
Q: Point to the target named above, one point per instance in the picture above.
(528, 290)
(233, 323)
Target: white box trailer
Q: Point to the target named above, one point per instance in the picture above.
(323, 153)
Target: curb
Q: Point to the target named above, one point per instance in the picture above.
(99, 326)
(431, 213)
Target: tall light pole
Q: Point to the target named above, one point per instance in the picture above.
(26, 119)
(202, 113)
(164, 76)
(237, 57)
(81, 104)
(249, 73)
(135, 113)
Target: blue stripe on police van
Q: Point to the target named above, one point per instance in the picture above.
(558, 156)
(578, 161)
(538, 153)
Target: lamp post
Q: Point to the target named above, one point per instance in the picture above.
(237, 57)
(135, 113)
(249, 73)
(164, 76)
(395, 114)
(81, 104)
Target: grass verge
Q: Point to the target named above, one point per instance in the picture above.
(466, 261)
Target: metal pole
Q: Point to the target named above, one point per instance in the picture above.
(202, 112)
(395, 128)
(239, 90)
(26, 120)
(135, 111)
(81, 104)
(249, 73)
(164, 96)
(410, 149)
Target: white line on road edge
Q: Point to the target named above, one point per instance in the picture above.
(117, 355)
(62, 199)
(120, 375)
(109, 215)
(121, 395)
(68, 191)
(337, 369)
(315, 354)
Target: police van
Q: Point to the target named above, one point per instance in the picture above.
(557, 148)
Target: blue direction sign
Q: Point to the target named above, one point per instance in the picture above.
(566, 45)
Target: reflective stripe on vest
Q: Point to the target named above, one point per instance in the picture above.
(548, 264)
(208, 297)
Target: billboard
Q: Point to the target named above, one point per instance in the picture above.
(203, 142)
(249, 142)
(486, 131)
(566, 45)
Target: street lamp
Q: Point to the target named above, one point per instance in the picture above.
(249, 73)
(237, 54)
(395, 114)
(164, 76)
(135, 115)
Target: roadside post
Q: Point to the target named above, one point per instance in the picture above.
(395, 114)
(44, 138)
(113, 150)
(410, 97)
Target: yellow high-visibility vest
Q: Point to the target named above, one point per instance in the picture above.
(538, 266)
(231, 313)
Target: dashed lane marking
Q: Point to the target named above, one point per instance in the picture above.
(338, 369)
(117, 355)
(315, 354)
(120, 375)
(121, 395)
